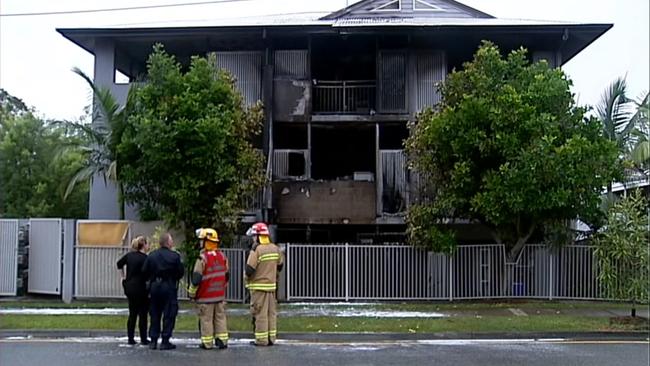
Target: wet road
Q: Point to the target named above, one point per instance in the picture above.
(109, 351)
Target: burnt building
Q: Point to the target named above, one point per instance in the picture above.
(338, 91)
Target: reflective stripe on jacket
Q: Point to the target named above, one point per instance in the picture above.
(265, 260)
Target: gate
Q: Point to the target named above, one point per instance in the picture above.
(45, 256)
(8, 257)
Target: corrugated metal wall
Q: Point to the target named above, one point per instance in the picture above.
(392, 81)
(8, 257)
(431, 69)
(291, 64)
(246, 67)
(45, 254)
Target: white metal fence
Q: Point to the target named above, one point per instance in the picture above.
(96, 274)
(45, 256)
(337, 271)
(8, 257)
(399, 272)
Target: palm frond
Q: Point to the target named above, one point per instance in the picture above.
(612, 109)
(81, 175)
(641, 152)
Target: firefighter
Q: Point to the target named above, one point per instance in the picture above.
(262, 267)
(208, 287)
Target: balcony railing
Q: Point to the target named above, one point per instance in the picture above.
(347, 96)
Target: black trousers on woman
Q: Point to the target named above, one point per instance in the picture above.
(138, 310)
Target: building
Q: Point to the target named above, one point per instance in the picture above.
(338, 91)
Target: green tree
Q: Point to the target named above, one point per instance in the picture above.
(507, 147)
(622, 250)
(31, 176)
(186, 149)
(99, 145)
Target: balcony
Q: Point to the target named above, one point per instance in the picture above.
(344, 97)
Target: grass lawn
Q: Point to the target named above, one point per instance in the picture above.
(541, 323)
(401, 306)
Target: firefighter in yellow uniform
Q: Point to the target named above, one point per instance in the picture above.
(208, 287)
(262, 267)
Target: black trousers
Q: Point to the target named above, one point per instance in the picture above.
(138, 310)
(164, 304)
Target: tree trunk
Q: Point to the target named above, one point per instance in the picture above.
(634, 308)
(120, 199)
(610, 194)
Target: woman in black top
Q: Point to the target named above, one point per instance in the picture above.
(135, 288)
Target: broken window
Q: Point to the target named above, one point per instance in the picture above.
(340, 151)
(290, 150)
(393, 167)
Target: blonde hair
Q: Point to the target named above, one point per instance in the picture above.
(138, 243)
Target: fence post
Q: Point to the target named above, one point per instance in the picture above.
(67, 286)
(550, 271)
(243, 278)
(347, 272)
(451, 278)
(288, 264)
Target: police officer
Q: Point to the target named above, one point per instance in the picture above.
(164, 269)
(262, 267)
(208, 287)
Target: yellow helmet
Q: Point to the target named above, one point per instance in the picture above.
(209, 236)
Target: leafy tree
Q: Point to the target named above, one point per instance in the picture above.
(99, 145)
(507, 147)
(31, 175)
(622, 250)
(186, 148)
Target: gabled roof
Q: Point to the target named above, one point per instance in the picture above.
(407, 9)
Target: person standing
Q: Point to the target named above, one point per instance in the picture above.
(262, 267)
(208, 287)
(135, 288)
(164, 269)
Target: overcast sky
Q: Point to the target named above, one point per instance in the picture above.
(35, 61)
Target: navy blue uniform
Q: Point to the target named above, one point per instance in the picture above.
(163, 268)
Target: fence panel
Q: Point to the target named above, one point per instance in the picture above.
(317, 272)
(577, 276)
(439, 274)
(45, 255)
(478, 272)
(96, 273)
(529, 276)
(388, 272)
(8, 257)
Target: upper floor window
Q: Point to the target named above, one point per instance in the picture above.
(389, 6)
(426, 5)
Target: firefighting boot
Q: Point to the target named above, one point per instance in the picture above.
(219, 343)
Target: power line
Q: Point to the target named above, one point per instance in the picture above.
(119, 9)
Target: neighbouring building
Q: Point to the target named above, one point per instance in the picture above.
(338, 91)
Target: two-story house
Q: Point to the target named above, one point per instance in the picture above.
(338, 90)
